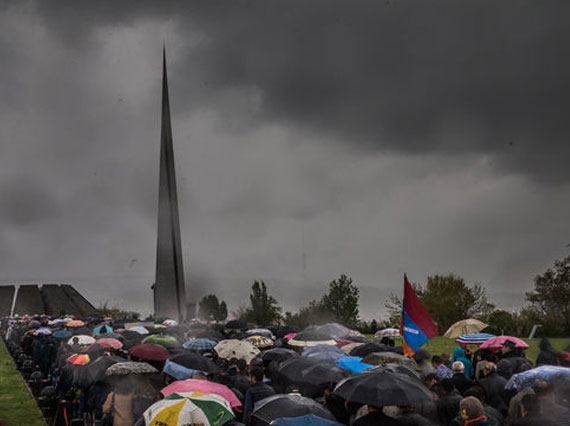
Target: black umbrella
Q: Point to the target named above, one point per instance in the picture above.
(277, 354)
(397, 369)
(283, 331)
(132, 335)
(312, 336)
(292, 405)
(206, 333)
(309, 372)
(236, 325)
(383, 387)
(87, 375)
(117, 336)
(368, 348)
(195, 362)
(81, 330)
(356, 339)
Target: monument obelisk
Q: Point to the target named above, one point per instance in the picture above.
(169, 287)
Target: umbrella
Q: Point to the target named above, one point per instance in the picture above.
(306, 420)
(382, 358)
(334, 330)
(189, 409)
(82, 339)
(149, 352)
(232, 348)
(473, 338)
(350, 346)
(43, 331)
(383, 387)
(289, 336)
(497, 342)
(343, 342)
(169, 323)
(129, 368)
(78, 359)
(368, 348)
(195, 362)
(465, 326)
(62, 334)
(109, 343)
(260, 331)
(549, 373)
(101, 329)
(387, 332)
(328, 357)
(321, 348)
(202, 386)
(139, 329)
(236, 325)
(353, 364)
(311, 338)
(95, 371)
(169, 342)
(207, 334)
(200, 344)
(310, 372)
(292, 405)
(117, 336)
(278, 355)
(397, 369)
(260, 341)
(177, 371)
(75, 323)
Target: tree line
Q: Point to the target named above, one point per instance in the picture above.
(448, 298)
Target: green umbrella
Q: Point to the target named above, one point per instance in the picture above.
(169, 342)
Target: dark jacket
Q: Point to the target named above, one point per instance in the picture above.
(448, 407)
(547, 355)
(376, 418)
(411, 418)
(461, 382)
(494, 417)
(494, 385)
(256, 392)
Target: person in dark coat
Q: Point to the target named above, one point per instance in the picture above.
(256, 392)
(375, 417)
(530, 412)
(494, 417)
(460, 382)
(410, 417)
(494, 385)
(448, 403)
(547, 355)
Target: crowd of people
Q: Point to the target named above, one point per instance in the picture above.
(101, 372)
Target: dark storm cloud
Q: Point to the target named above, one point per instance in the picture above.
(399, 76)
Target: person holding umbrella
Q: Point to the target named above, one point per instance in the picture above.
(256, 392)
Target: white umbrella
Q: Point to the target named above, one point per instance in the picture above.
(387, 332)
(240, 349)
(139, 329)
(81, 339)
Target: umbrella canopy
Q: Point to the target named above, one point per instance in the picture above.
(236, 325)
(321, 348)
(130, 368)
(169, 342)
(350, 346)
(81, 339)
(101, 329)
(497, 342)
(108, 343)
(311, 338)
(387, 332)
(62, 334)
(383, 387)
(549, 373)
(293, 405)
(397, 369)
(470, 325)
(75, 323)
(95, 371)
(43, 331)
(261, 332)
(328, 357)
(79, 359)
(139, 329)
(228, 349)
(473, 338)
(117, 336)
(306, 420)
(343, 342)
(309, 372)
(367, 349)
(189, 409)
(353, 364)
(202, 386)
(334, 330)
(195, 362)
(260, 341)
(149, 352)
(278, 355)
(200, 345)
(177, 371)
(169, 323)
(382, 358)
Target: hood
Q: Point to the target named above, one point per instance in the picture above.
(458, 353)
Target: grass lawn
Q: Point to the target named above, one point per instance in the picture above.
(17, 407)
(439, 345)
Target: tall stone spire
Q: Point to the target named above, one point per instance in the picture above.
(169, 287)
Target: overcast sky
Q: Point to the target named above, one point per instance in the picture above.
(398, 136)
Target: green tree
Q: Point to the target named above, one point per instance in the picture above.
(448, 299)
(210, 308)
(263, 309)
(550, 299)
(341, 301)
(502, 322)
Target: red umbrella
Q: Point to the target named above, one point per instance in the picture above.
(75, 323)
(79, 359)
(109, 343)
(343, 342)
(149, 352)
(497, 342)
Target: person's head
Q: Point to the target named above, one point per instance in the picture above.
(508, 346)
(75, 340)
(430, 380)
(491, 357)
(478, 392)
(458, 368)
(241, 365)
(257, 375)
(447, 386)
(529, 404)
(471, 408)
(489, 368)
(436, 361)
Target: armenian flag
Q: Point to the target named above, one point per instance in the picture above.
(416, 326)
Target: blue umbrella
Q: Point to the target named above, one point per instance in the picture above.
(179, 372)
(353, 363)
(549, 373)
(200, 344)
(100, 329)
(474, 338)
(306, 420)
(62, 334)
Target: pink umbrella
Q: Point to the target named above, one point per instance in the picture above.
(109, 343)
(203, 386)
(495, 343)
(290, 336)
